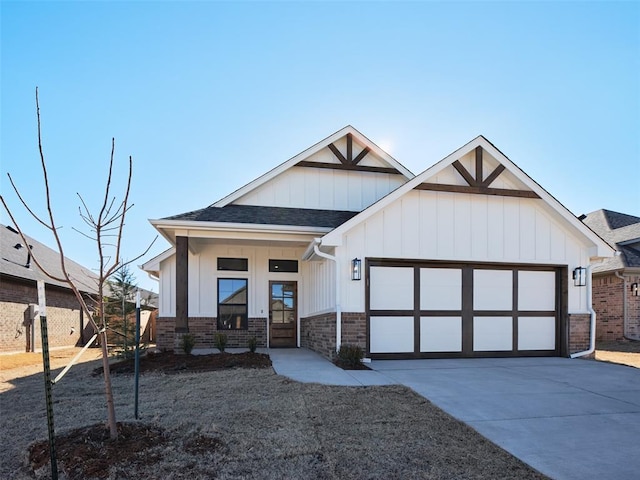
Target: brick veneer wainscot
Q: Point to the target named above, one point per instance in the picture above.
(204, 330)
(318, 332)
(579, 332)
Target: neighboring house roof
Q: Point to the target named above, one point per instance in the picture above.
(522, 186)
(354, 134)
(267, 216)
(13, 262)
(621, 230)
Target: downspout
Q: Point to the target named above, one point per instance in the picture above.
(338, 307)
(592, 312)
(625, 314)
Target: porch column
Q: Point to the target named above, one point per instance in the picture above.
(182, 284)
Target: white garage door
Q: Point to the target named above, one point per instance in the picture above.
(451, 310)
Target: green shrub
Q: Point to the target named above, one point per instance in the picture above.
(350, 355)
(253, 344)
(187, 342)
(220, 341)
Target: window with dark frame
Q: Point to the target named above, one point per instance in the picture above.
(233, 264)
(232, 304)
(289, 266)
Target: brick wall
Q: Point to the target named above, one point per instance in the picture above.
(63, 316)
(318, 333)
(579, 332)
(204, 329)
(607, 302)
(354, 329)
(608, 298)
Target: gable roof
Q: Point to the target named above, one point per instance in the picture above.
(527, 187)
(392, 163)
(13, 262)
(621, 230)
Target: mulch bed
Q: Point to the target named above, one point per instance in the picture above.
(88, 452)
(169, 362)
(350, 366)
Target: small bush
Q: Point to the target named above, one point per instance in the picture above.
(253, 344)
(220, 341)
(350, 355)
(187, 342)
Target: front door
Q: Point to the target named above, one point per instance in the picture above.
(283, 314)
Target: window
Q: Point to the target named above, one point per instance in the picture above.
(232, 304)
(283, 266)
(233, 264)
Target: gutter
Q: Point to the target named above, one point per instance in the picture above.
(317, 251)
(625, 313)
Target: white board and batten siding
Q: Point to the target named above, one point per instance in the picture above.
(203, 276)
(325, 189)
(463, 227)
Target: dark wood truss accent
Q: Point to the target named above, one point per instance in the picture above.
(479, 190)
(348, 160)
(465, 174)
(340, 166)
(478, 185)
(493, 175)
(338, 155)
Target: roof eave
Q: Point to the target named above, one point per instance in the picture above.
(169, 228)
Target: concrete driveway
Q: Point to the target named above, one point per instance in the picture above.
(569, 419)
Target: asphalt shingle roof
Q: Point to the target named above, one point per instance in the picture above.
(252, 214)
(13, 262)
(620, 230)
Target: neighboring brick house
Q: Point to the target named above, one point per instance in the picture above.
(616, 295)
(19, 295)
(342, 244)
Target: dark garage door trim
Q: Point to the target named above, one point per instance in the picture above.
(467, 312)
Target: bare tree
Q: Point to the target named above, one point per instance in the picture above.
(105, 229)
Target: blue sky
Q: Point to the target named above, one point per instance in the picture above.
(206, 96)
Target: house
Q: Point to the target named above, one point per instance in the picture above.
(342, 244)
(19, 275)
(66, 322)
(616, 295)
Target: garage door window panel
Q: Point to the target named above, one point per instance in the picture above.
(492, 289)
(391, 288)
(536, 333)
(536, 291)
(391, 335)
(440, 289)
(441, 334)
(492, 334)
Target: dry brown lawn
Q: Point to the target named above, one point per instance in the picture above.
(626, 352)
(254, 424)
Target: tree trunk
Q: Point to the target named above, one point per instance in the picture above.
(111, 411)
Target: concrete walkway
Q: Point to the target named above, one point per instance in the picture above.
(569, 419)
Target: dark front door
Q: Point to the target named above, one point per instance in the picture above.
(283, 314)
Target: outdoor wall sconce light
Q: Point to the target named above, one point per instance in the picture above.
(580, 276)
(635, 291)
(356, 269)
